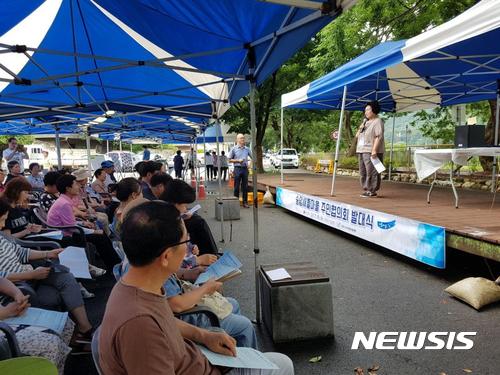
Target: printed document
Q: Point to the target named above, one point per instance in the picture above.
(378, 165)
(278, 274)
(75, 259)
(245, 358)
(56, 235)
(53, 320)
(226, 267)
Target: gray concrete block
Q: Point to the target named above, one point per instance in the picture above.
(297, 312)
(231, 208)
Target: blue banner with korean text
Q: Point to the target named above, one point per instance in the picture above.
(421, 241)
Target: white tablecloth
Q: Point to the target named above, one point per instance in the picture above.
(429, 161)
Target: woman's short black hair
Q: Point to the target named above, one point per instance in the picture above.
(178, 191)
(64, 181)
(126, 187)
(161, 179)
(98, 172)
(50, 178)
(11, 164)
(33, 165)
(4, 206)
(138, 166)
(148, 166)
(148, 230)
(375, 106)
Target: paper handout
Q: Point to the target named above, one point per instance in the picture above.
(194, 209)
(53, 320)
(56, 235)
(75, 259)
(278, 274)
(226, 267)
(378, 165)
(245, 358)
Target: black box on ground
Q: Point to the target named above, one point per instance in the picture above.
(470, 136)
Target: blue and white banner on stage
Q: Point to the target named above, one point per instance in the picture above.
(423, 242)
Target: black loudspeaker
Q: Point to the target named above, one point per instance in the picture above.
(470, 136)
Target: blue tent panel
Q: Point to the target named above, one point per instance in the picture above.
(170, 57)
(457, 62)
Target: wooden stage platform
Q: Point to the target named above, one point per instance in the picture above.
(474, 227)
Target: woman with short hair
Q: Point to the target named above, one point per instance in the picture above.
(54, 290)
(370, 146)
(17, 222)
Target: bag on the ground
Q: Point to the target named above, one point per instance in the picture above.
(215, 302)
(475, 291)
(268, 197)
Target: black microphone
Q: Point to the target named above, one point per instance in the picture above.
(365, 120)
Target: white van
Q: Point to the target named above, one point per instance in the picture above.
(290, 159)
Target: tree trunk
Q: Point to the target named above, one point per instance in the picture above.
(260, 164)
(349, 135)
(489, 137)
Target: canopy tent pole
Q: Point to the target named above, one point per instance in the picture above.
(256, 250)
(58, 149)
(196, 168)
(89, 164)
(221, 202)
(392, 145)
(337, 146)
(497, 121)
(121, 145)
(205, 153)
(281, 167)
(130, 146)
(107, 147)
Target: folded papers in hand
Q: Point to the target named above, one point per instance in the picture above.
(226, 267)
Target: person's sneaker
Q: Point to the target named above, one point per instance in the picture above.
(366, 194)
(245, 205)
(85, 293)
(372, 195)
(96, 271)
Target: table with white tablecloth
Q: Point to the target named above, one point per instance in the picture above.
(428, 162)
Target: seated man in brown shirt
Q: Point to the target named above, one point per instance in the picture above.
(139, 333)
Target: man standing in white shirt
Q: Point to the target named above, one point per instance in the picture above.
(14, 153)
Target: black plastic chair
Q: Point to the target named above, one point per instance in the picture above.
(42, 216)
(95, 350)
(9, 348)
(37, 245)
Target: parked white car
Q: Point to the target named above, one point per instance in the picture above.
(290, 158)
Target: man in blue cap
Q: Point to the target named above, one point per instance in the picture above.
(109, 168)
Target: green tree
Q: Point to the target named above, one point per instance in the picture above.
(21, 139)
(485, 111)
(368, 23)
(436, 124)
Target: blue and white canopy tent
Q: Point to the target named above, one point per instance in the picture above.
(456, 62)
(189, 58)
(185, 127)
(163, 57)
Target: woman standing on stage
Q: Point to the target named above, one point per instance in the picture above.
(370, 146)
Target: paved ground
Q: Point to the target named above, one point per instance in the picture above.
(373, 290)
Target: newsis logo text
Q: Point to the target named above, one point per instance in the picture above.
(413, 340)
